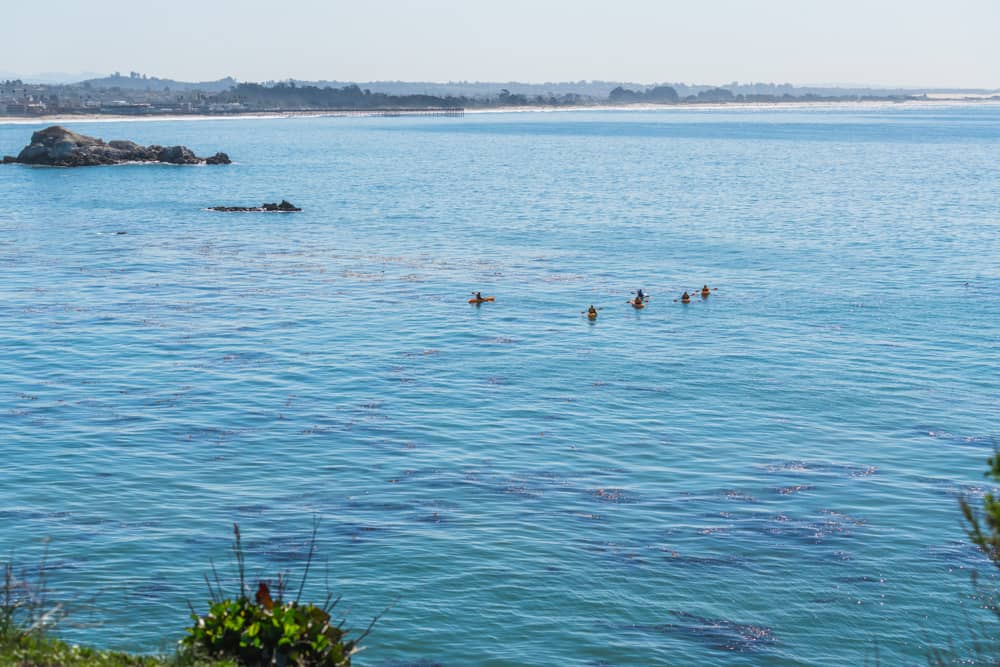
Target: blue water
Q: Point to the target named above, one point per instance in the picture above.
(766, 477)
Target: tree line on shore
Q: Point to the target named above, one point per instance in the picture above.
(112, 96)
(288, 95)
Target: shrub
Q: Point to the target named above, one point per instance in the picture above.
(263, 631)
(987, 540)
(286, 634)
(24, 607)
(983, 529)
(27, 618)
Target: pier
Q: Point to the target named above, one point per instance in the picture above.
(451, 112)
(439, 111)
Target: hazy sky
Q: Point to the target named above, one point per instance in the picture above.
(879, 42)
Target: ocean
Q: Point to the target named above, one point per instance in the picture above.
(768, 476)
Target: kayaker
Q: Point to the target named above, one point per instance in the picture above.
(592, 312)
(479, 296)
(640, 296)
(685, 298)
(705, 292)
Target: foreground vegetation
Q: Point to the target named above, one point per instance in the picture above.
(26, 620)
(38, 650)
(236, 630)
(271, 630)
(981, 643)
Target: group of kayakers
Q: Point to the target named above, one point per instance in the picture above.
(705, 293)
(641, 299)
(639, 302)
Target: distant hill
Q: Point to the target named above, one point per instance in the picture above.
(484, 90)
(136, 82)
(602, 89)
(481, 89)
(140, 94)
(47, 77)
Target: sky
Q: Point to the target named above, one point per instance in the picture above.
(913, 43)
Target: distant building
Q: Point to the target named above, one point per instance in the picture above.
(25, 108)
(124, 107)
(224, 107)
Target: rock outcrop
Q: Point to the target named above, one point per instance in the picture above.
(283, 207)
(58, 147)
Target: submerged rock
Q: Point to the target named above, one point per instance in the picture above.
(283, 207)
(58, 147)
(218, 158)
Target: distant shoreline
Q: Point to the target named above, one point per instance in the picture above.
(756, 106)
(708, 106)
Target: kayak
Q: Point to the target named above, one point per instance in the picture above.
(638, 305)
(483, 300)
(592, 316)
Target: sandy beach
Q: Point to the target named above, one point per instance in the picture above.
(870, 105)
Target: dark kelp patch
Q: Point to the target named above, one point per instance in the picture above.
(850, 470)
(717, 633)
(612, 495)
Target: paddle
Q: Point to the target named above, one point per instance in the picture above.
(645, 297)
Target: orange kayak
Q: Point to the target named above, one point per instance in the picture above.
(483, 300)
(638, 305)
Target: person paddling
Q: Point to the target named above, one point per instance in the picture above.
(685, 298)
(478, 298)
(592, 312)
